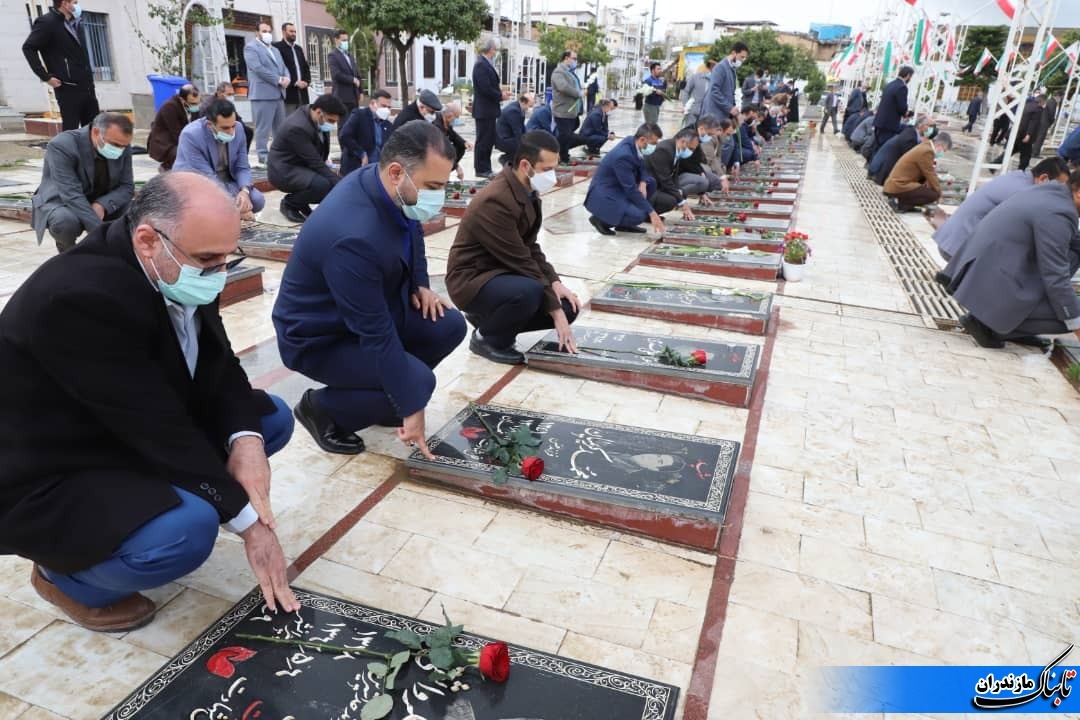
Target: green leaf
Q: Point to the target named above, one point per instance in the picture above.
(406, 637)
(500, 476)
(438, 676)
(461, 657)
(377, 707)
(400, 659)
(442, 658)
(377, 669)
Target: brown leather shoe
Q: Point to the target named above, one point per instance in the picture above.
(131, 613)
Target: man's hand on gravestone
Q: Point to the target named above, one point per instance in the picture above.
(249, 467)
(561, 292)
(687, 213)
(429, 304)
(657, 223)
(563, 332)
(725, 184)
(267, 561)
(412, 433)
(460, 173)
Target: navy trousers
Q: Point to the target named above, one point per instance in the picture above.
(168, 547)
(353, 398)
(508, 305)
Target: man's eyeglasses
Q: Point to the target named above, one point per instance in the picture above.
(227, 265)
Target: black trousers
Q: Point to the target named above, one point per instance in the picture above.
(508, 305)
(78, 106)
(317, 189)
(663, 202)
(568, 137)
(485, 143)
(1001, 129)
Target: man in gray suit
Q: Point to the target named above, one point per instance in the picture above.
(567, 101)
(1014, 274)
(693, 95)
(720, 100)
(86, 180)
(267, 79)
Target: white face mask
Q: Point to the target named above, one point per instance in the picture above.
(430, 117)
(267, 38)
(382, 113)
(542, 182)
(736, 62)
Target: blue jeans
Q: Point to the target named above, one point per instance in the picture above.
(168, 547)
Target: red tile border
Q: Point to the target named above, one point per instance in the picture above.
(699, 692)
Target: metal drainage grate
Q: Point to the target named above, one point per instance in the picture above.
(914, 268)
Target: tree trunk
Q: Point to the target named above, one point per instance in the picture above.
(403, 66)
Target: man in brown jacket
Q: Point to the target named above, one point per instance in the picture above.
(914, 181)
(171, 119)
(497, 274)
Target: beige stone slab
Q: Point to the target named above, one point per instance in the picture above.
(918, 546)
(20, 624)
(40, 713)
(367, 546)
(365, 588)
(494, 623)
(179, 622)
(674, 631)
(746, 689)
(769, 546)
(530, 539)
(826, 492)
(787, 484)
(867, 571)
(583, 606)
(1055, 614)
(450, 518)
(226, 574)
(44, 670)
(748, 632)
(465, 573)
(694, 556)
(801, 519)
(994, 529)
(649, 573)
(820, 646)
(11, 707)
(302, 452)
(623, 659)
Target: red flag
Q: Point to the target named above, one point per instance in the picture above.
(911, 2)
(1007, 8)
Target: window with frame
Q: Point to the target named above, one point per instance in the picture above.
(95, 30)
(429, 62)
(390, 65)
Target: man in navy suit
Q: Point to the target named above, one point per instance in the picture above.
(595, 129)
(893, 107)
(363, 135)
(620, 190)
(355, 310)
(487, 99)
(542, 119)
(511, 126)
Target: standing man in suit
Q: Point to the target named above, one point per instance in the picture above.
(620, 190)
(720, 100)
(663, 167)
(292, 54)
(1030, 122)
(56, 54)
(567, 101)
(830, 106)
(116, 353)
(355, 310)
(497, 273)
(487, 99)
(595, 130)
(87, 180)
(974, 109)
(365, 132)
(693, 95)
(893, 107)
(298, 161)
(511, 126)
(1014, 275)
(170, 121)
(267, 80)
(214, 147)
(343, 72)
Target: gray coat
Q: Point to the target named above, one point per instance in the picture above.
(720, 100)
(696, 88)
(265, 68)
(68, 179)
(958, 229)
(1022, 255)
(565, 93)
(862, 131)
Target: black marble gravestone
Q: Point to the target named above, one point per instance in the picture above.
(766, 196)
(722, 308)
(667, 485)
(750, 207)
(732, 219)
(273, 242)
(634, 359)
(221, 676)
(751, 265)
(16, 207)
(719, 236)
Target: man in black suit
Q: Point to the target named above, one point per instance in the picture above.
(343, 72)
(56, 54)
(425, 107)
(663, 167)
(364, 133)
(118, 469)
(292, 55)
(511, 126)
(487, 99)
(893, 107)
(448, 121)
(297, 163)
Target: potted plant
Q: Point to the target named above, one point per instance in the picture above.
(796, 256)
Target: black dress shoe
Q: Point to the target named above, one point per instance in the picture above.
(600, 227)
(982, 334)
(506, 356)
(942, 279)
(1032, 341)
(291, 214)
(324, 431)
(629, 228)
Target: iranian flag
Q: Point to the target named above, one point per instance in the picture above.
(950, 46)
(858, 49)
(922, 41)
(911, 2)
(985, 58)
(1050, 46)
(1073, 51)
(1007, 8)
(1004, 61)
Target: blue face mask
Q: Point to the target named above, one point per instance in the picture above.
(110, 152)
(649, 150)
(456, 123)
(76, 12)
(684, 153)
(223, 137)
(706, 139)
(428, 203)
(573, 65)
(192, 287)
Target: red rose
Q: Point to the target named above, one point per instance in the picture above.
(457, 196)
(699, 357)
(742, 217)
(472, 191)
(574, 163)
(495, 657)
(776, 184)
(221, 662)
(757, 204)
(768, 192)
(531, 468)
(727, 231)
(472, 433)
(773, 175)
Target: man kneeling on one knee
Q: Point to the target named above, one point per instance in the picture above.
(497, 273)
(131, 430)
(914, 180)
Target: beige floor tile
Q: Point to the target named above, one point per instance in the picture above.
(450, 518)
(776, 481)
(990, 602)
(226, 574)
(694, 556)
(20, 624)
(1036, 575)
(467, 574)
(653, 574)
(11, 707)
(772, 640)
(914, 545)
(61, 657)
(40, 713)
(361, 587)
(529, 539)
(674, 631)
(876, 574)
(769, 546)
(495, 624)
(617, 657)
(583, 606)
(994, 529)
(179, 622)
(826, 492)
(746, 689)
(367, 546)
(820, 646)
(801, 519)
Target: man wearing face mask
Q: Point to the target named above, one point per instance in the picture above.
(292, 54)
(426, 107)
(145, 435)
(595, 128)
(720, 99)
(355, 310)
(214, 147)
(487, 100)
(86, 180)
(56, 54)
(663, 166)
(497, 273)
(298, 161)
(343, 71)
(363, 135)
(447, 121)
(695, 177)
(171, 119)
(567, 102)
(619, 193)
(914, 180)
(886, 156)
(267, 79)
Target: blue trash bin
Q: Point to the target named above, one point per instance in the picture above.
(165, 87)
(547, 94)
